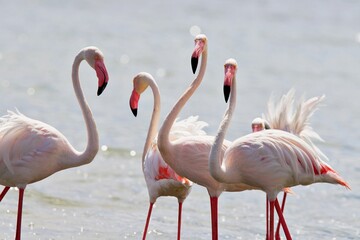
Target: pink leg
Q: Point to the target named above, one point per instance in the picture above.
(282, 220)
(20, 206)
(3, 193)
(267, 219)
(277, 233)
(147, 220)
(272, 204)
(214, 217)
(179, 220)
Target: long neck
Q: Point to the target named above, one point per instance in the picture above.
(154, 122)
(164, 143)
(215, 158)
(92, 147)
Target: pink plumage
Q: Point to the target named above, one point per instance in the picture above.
(270, 160)
(31, 150)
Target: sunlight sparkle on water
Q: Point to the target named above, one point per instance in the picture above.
(124, 59)
(195, 30)
(132, 153)
(30, 91)
(160, 72)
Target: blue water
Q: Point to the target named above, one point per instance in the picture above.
(312, 46)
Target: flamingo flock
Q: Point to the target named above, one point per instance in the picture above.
(279, 154)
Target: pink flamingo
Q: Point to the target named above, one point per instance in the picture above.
(32, 150)
(296, 120)
(160, 179)
(270, 160)
(188, 156)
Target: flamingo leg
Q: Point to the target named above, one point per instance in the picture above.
(277, 233)
(282, 220)
(179, 220)
(267, 219)
(19, 215)
(147, 220)
(3, 193)
(272, 206)
(214, 217)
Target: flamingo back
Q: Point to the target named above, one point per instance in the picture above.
(296, 120)
(280, 152)
(190, 126)
(284, 116)
(23, 139)
(155, 167)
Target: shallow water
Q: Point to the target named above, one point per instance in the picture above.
(310, 46)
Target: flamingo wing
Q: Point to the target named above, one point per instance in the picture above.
(155, 167)
(290, 158)
(190, 126)
(22, 140)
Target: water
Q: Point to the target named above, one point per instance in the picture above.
(311, 46)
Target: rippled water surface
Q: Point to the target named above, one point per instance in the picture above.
(312, 46)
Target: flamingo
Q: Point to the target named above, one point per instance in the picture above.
(31, 150)
(188, 156)
(285, 116)
(270, 160)
(160, 179)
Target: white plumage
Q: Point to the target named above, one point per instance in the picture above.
(270, 160)
(31, 150)
(160, 178)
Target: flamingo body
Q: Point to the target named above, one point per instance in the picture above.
(188, 156)
(256, 155)
(160, 178)
(25, 146)
(31, 150)
(270, 160)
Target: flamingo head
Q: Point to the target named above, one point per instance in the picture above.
(95, 58)
(230, 71)
(200, 47)
(259, 124)
(140, 84)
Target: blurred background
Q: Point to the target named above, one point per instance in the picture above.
(311, 46)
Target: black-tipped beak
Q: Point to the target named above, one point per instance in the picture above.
(226, 92)
(194, 63)
(134, 111)
(101, 89)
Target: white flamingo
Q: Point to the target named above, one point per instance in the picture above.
(160, 179)
(31, 150)
(188, 156)
(283, 115)
(270, 160)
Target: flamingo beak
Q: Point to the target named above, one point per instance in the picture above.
(134, 100)
(227, 85)
(199, 48)
(102, 75)
(194, 63)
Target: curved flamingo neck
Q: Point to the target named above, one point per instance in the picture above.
(92, 147)
(155, 117)
(217, 170)
(164, 143)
